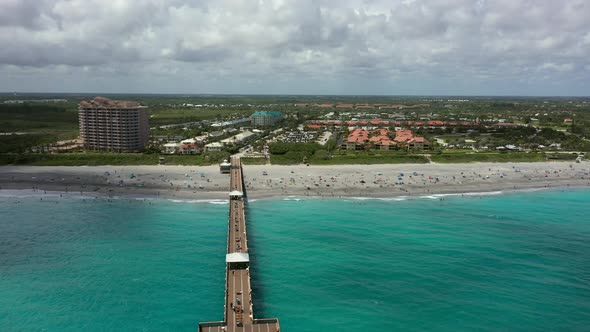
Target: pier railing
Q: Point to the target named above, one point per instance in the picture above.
(266, 321)
(210, 324)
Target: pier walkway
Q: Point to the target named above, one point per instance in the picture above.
(239, 313)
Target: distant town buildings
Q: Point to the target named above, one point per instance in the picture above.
(221, 124)
(116, 126)
(363, 106)
(266, 118)
(33, 101)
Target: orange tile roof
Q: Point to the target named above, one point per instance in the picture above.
(403, 135)
(436, 123)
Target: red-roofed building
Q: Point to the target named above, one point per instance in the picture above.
(381, 140)
(360, 139)
(436, 123)
(403, 136)
(189, 148)
(418, 143)
(357, 139)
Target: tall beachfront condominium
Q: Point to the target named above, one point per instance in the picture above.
(111, 125)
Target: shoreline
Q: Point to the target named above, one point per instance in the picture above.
(342, 181)
(24, 193)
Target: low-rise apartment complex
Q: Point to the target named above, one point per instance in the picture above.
(110, 125)
(383, 139)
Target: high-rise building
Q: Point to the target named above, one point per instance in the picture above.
(111, 125)
(266, 118)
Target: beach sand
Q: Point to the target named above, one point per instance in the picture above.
(206, 182)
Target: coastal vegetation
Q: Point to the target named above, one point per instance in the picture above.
(24, 126)
(96, 159)
(488, 157)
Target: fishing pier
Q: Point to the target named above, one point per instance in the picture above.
(239, 312)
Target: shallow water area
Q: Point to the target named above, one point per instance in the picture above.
(75, 263)
(498, 262)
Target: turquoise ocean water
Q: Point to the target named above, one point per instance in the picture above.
(513, 262)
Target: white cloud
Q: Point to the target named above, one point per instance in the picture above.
(564, 67)
(382, 41)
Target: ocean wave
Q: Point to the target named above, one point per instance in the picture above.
(292, 198)
(482, 193)
(30, 193)
(362, 198)
(385, 199)
(145, 198)
(218, 202)
(394, 199)
(198, 201)
(485, 193)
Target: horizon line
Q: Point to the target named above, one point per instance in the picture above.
(6, 93)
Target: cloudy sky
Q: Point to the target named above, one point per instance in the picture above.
(391, 47)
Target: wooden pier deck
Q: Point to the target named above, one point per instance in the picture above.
(239, 313)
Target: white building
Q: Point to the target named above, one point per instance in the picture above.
(215, 146)
(201, 139)
(189, 141)
(239, 138)
(171, 147)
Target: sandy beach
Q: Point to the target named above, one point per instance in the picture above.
(262, 181)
